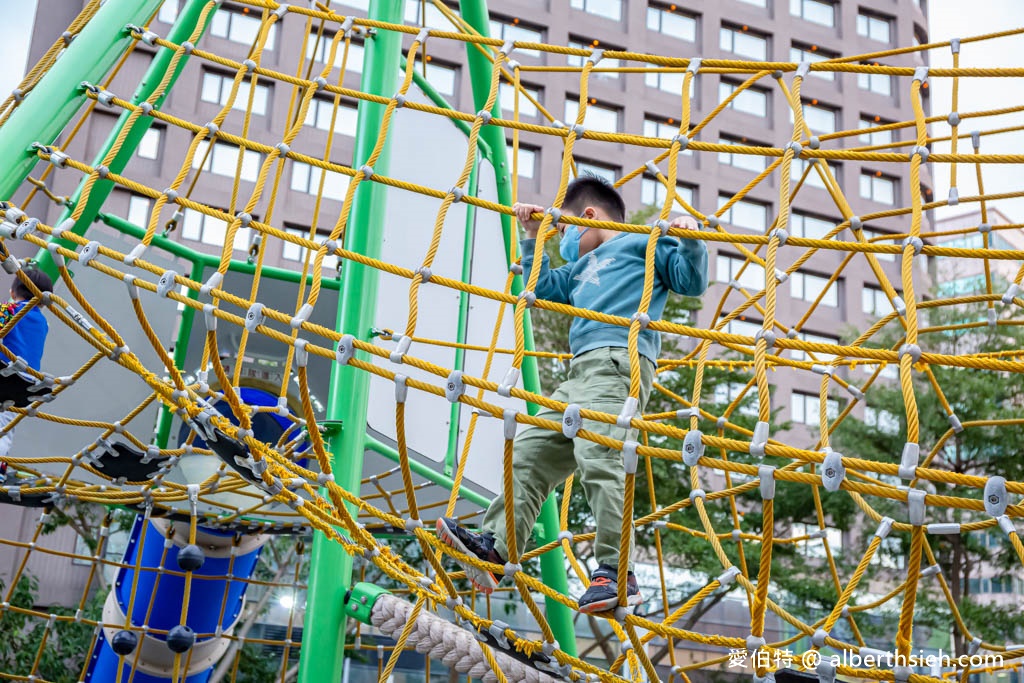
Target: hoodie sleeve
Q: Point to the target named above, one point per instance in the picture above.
(682, 265)
(552, 283)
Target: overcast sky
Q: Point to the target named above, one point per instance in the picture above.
(949, 19)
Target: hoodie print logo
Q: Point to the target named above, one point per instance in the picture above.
(589, 274)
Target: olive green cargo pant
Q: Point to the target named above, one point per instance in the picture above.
(543, 459)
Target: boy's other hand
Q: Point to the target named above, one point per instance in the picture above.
(685, 223)
(523, 213)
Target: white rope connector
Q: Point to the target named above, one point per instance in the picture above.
(916, 506)
(301, 354)
(760, 439)
(509, 423)
(401, 348)
(571, 421)
(166, 283)
(88, 253)
(954, 423)
(454, 387)
(629, 456)
(209, 317)
(728, 577)
(909, 460)
(693, 447)
(944, 528)
(1011, 293)
(302, 316)
(628, 412)
(254, 317)
(212, 283)
(401, 388)
(509, 382)
(767, 476)
(995, 496)
(833, 472)
(346, 349)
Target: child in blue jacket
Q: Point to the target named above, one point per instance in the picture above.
(26, 339)
(604, 272)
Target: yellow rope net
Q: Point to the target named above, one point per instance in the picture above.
(309, 490)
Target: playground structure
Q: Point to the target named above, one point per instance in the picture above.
(244, 449)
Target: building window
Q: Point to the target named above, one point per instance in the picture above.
(652, 193)
(443, 77)
(223, 160)
(321, 114)
(756, 3)
(217, 89)
(609, 173)
(814, 179)
(507, 93)
(433, 19)
(743, 43)
(874, 26)
(604, 119)
(799, 354)
(291, 251)
(751, 101)
(666, 129)
(882, 420)
(746, 328)
(727, 392)
(168, 12)
(746, 214)
(873, 237)
(609, 9)
(819, 118)
(149, 145)
(877, 187)
(880, 84)
(800, 53)
(138, 210)
(806, 408)
(668, 81)
(580, 60)
(319, 49)
(873, 302)
(199, 227)
(961, 286)
(727, 269)
(807, 287)
(815, 11)
(810, 227)
(241, 26)
(670, 21)
(527, 161)
(815, 547)
(306, 178)
(748, 162)
(881, 137)
(512, 29)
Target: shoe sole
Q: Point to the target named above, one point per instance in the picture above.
(609, 605)
(481, 578)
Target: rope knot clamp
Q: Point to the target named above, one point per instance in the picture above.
(281, 10)
(1011, 294)
(346, 26)
(820, 369)
(992, 319)
(411, 525)
(149, 38)
(796, 147)
(513, 64)
(954, 45)
(682, 140)
(254, 317)
(995, 496)
(422, 35)
(818, 638)
(660, 524)
(401, 348)
(497, 631)
(166, 283)
(768, 336)
(948, 528)
(249, 65)
(908, 460)
(781, 233)
(984, 228)
(596, 56)
(693, 447)
(454, 387)
(399, 99)
(913, 350)
(814, 142)
(884, 527)
(642, 318)
(565, 536)
(694, 65)
(171, 194)
(976, 139)
(920, 150)
(424, 272)
(652, 168)
(954, 197)
(26, 228)
(692, 411)
(188, 47)
(212, 129)
(974, 645)
(954, 423)
(510, 425)
(728, 577)
(833, 471)
(324, 478)
(88, 253)
(629, 456)
(282, 149)
(485, 116)
(767, 475)
(212, 283)
(529, 297)
(916, 506)
(516, 269)
(698, 493)
(759, 440)
(914, 242)
(921, 74)
(826, 671)
(67, 37)
(900, 306)
(209, 317)
(578, 129)
(856, 223)
(366, 170)
(714, 222)
(954, 118)
(511, 569)
(663, 226)
(346, 349)
(571, 421)
(1006, 525)
(628, 412)
(18, 94)
(510, 380)
(781, 276)
(754, 643)
(58, 158)
(11, 265)
(302, 316)
(457, 193)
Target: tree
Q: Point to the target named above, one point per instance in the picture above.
(985, 450)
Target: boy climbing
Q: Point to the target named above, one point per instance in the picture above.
(604, 272)
(25, 339)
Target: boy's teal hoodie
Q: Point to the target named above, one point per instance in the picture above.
(610, 279)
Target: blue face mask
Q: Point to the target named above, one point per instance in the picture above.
(569, 245)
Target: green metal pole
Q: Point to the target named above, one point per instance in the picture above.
(330, 573)
(552, 564)
(49, 106)
(164, 417)
(180, 32)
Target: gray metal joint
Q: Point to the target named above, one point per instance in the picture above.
(802, 69)
(694, 65)
(629, 456)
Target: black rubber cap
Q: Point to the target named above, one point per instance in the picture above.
(124, 642)
(191, 558)
(181, 639)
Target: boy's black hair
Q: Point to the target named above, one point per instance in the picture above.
(592, 190)
(40, 279)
